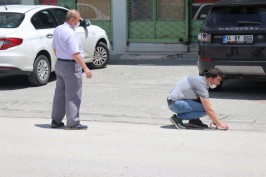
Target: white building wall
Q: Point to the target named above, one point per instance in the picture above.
(119, 20)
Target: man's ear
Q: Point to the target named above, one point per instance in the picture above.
(209, 80)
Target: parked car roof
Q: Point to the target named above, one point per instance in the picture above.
(240, 2)
(22, 8)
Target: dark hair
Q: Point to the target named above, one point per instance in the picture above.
(214, 72)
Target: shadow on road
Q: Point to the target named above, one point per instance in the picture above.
(48, 126)
(191, 129)
(18, 82)
(168, 127)
(14, 82)
(241, 90)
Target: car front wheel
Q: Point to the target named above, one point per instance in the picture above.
(101, 56)
(41, 71)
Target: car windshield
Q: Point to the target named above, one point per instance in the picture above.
(237, 16)
(10, 20)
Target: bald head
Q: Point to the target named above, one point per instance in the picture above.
(73, 18)
(72, 14)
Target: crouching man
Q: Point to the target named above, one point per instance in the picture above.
(189, 100)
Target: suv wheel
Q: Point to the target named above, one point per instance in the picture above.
(101, 56)
(41, 71)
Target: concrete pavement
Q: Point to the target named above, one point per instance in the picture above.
(29, 148)
(129, 132)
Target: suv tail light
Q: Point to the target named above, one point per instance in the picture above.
(204, 37)
(206, 59)
(9, 42)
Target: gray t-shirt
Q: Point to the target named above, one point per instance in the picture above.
(189, 88)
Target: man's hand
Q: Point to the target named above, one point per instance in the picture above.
(222, 126)
(88, 73)
(211, 113)
(77, 57)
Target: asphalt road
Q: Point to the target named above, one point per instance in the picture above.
(129, 132)
(134, 90)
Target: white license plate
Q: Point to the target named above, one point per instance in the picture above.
(237, 39)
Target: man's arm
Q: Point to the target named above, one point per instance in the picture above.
(77, 57)
(211, 113)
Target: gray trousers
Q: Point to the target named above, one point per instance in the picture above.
(67, 96)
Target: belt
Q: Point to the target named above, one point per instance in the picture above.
(66, 60)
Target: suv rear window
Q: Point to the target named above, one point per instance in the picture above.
(10, 20)
(237, 16)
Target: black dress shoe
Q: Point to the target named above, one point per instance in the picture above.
(56, 125)
(77, 127)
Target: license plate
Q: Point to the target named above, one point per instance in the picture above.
(237, 39)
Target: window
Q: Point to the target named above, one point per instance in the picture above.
(237, 16)
(170, 10)
(199, 12)
(43, 20)
(10, 20)
(60, 15)
(141, 9)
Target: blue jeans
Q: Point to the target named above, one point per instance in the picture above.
(187, 109)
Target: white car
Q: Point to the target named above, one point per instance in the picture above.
(26, 33)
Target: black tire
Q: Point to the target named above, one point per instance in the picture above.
(41, 71)
(101, 56)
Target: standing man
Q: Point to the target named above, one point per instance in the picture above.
(68, 68)
(189, 99)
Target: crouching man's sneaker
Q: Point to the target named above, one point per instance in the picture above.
(77, 127)
(56, 125)
(197, 123)
(177, 122)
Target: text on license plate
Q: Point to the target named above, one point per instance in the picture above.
(236, 39)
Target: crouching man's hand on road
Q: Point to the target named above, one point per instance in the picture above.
(222, 126)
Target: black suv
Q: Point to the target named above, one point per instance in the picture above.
(233, 39)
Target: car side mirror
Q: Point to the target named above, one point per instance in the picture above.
(85, 23)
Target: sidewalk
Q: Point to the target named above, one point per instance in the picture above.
(29, 148)
(157, 55)
(152, 57)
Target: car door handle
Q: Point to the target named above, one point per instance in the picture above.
(49, 35)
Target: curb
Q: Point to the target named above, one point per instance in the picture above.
(154, 55)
